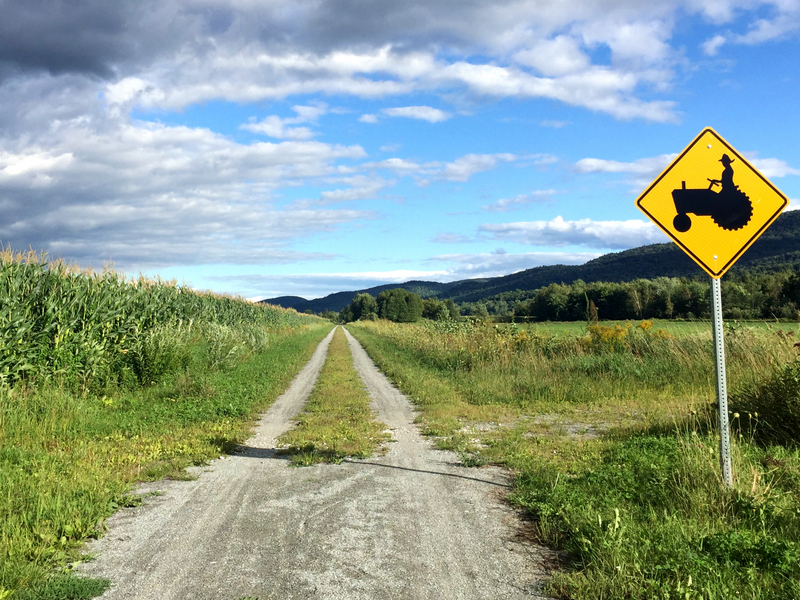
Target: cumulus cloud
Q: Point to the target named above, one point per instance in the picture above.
(146, 195)
(80, 176)
(771, 167)
(642, 166)
(554, 124)
(495, 264)
(425, 113)
(711, 47)
(451, 238)
(171, 53)
(460, 170)
(276, 127)
(648, 168)
(610, 235)
(465, 167)
(319, 284)
(509, 204)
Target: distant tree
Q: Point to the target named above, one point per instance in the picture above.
(364, 307)
(479, 310)
(330, 315)
(452, 309)
(346, 315)
(399, 305)
(790, 290)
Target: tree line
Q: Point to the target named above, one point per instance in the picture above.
(744, 296)
(398, 305)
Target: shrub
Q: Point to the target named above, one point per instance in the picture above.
(775, 404)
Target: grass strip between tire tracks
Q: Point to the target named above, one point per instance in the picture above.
(337, 421)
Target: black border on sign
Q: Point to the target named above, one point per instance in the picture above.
(755, 236)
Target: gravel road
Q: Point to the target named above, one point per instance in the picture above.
(410, 524)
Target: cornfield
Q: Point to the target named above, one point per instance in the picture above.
(60, 323)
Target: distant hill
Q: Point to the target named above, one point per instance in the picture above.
(777, 249)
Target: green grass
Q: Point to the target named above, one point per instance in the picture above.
(337, 421)
(68, 460)
(671, 326)
(612, 439)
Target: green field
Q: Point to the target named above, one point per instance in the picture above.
(671, 326)
(611, 432)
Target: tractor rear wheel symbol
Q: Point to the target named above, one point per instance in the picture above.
(729, 208)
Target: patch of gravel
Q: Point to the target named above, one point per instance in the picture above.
(410, 524)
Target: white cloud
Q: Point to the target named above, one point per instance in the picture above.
(276, 127)
(320, 284)
(425, 113)
(650, 167)
(554, 124)
(172, 54)
(368, 118)
(146, 194)
(495, 264)
(585, 232)
(642, 166)
(451, 238)
(509, 204)
(771, 167)
(465, 167)
(361, 188)
(557, 56)
(711, 47)
(461, 169)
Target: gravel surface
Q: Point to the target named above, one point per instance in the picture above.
(410, 524)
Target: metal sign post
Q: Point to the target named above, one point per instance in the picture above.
(722, 388)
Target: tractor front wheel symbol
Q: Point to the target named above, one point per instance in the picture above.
(682, 222)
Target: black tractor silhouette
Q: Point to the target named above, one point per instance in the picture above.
(730, 208)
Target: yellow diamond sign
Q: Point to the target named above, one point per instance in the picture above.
(712, 202)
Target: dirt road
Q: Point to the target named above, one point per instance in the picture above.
(411, 524)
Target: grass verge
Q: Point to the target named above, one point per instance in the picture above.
(337, 421)
(622, 475)
(67, 460)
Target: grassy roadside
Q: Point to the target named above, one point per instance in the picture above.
(68, 460)
(337, 421)
(616, 463)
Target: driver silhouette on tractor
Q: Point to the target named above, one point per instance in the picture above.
(730, 208)
(727, 176)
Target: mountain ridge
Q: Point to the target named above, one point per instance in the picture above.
(778, 248)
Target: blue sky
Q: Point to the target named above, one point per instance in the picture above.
(303, 148)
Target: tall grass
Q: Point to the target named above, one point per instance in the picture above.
(612, 436)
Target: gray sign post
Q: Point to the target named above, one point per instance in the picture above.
(722, 387)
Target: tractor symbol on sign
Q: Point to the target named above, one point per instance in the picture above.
(730, 208)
